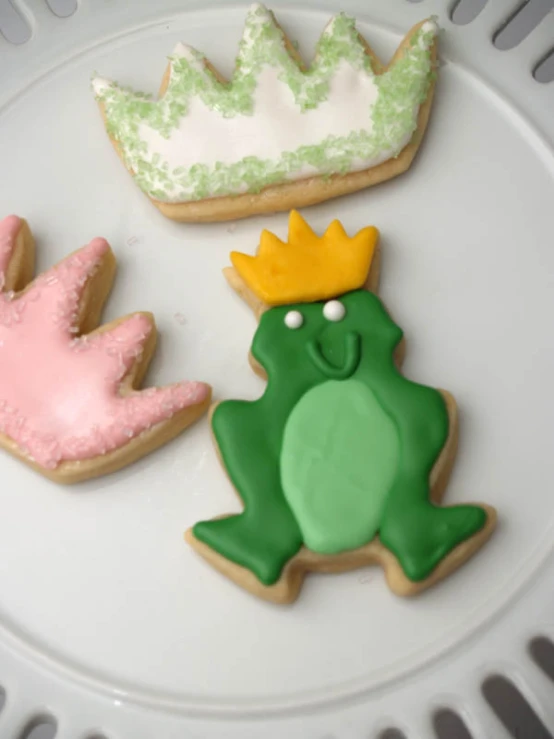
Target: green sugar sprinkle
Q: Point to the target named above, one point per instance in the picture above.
(401, 90)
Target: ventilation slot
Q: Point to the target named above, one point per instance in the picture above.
(2, 698)
(448, 725)
(40, 727)
(520, 24)
(542, 652)
(513, 710)
(13, 27)
(466, 11)
(544, 71)
(391, 734)
(62, 8)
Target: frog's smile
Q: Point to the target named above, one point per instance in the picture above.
(351, 360)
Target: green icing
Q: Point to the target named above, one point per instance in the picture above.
(391, 120)
(339, 458)
(250, 437)
(353, 347)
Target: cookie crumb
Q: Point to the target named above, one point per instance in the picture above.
(180, 318)
(232, 228)
(364, 579)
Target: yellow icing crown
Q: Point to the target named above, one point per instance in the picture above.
(307, 268)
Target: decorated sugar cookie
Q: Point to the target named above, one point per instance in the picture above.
(69, 403)
(342, 462)
(278, 135)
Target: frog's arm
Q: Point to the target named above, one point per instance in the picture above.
(265, 536)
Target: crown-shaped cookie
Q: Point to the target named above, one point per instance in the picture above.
(208, 147)
(68, 399)
(307, 267)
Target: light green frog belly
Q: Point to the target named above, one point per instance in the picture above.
(339, 458)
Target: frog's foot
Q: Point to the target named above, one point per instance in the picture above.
(243, 543)
(430, 542)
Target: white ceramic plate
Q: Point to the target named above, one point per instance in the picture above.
(120, 624)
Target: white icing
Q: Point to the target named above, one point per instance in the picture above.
(277, 125)
(428, 27)
(294, 319)
(334, 310)
(100, 85)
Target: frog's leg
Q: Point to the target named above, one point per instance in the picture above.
(265, 536)
(420, 534)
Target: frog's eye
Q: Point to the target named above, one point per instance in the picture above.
(294, 319)
(334, 310)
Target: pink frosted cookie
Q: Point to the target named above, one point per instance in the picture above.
(69, 403)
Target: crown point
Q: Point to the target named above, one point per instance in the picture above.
(269, 244)
(10, 223)
(84, 258)
(369, 232)
(181, 50)
(258, 9)
(100, 86)
(299, 228)
(430, 26)
(335, 230)
(99, 244)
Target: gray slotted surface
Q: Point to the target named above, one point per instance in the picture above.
(521, 22)
(446, 726)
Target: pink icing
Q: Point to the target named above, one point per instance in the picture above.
(60, 393)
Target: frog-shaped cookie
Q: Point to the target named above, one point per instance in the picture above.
(343, 461)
